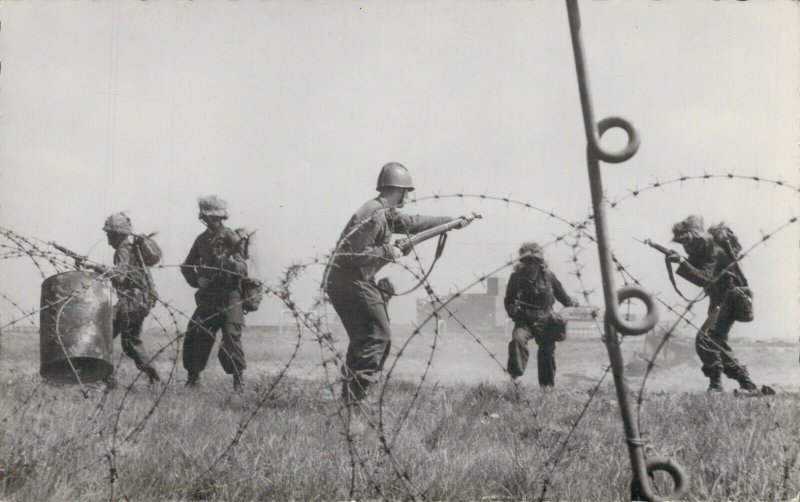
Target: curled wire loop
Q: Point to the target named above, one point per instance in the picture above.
(627, 152)
(675, 471)
(642, 468)
(640, 326)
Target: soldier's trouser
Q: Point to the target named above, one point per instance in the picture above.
(518, 353)
(128, 326)
(199, 340)
(712, 347)
(363, 314)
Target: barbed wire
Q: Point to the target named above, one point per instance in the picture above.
(306, 321)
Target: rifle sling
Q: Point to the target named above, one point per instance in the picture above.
(737, 270)
(672, 279)
(439, 251)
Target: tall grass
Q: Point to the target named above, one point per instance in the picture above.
(459, 443)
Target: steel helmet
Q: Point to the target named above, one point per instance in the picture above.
(118, 222)
(211, 205)
(531, 249)
(395, 174)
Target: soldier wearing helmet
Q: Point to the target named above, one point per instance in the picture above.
(135, 289)
(710, 267)
(363, 248)
(530, 294)
(215, 264)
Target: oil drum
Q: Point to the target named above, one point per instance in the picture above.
(76, 328)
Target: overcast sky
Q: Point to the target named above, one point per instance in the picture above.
(288, 110)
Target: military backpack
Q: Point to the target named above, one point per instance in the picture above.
(252, 289)
(147, 249)
(739, 298)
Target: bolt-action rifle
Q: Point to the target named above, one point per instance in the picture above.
(658, 247)
(80, 260)
(667, 254)
(407, 243)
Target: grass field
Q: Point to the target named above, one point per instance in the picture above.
(467, 436)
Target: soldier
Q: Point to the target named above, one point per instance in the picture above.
(215, 266)
(531, 292)
(711, 268)
(135, 289)
(363, 248)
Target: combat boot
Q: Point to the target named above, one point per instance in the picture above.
(750, 389)
(152, 377)
(238, 383)
(193, 380)
(715, 383)
(110, 383)
(747, 385)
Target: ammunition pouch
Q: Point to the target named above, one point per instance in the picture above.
(251, 294)
(739, 303)
(547, 325)
(554, 326)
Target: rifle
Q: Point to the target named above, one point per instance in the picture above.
(667, 253)
(80, 260)
(406, 244)
(658, 247)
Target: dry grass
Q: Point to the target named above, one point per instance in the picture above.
(459, 443)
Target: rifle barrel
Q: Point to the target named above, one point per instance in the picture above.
(433, 232)
(66, 251)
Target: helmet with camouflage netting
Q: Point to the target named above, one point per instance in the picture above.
(211, 205)
(119, 223)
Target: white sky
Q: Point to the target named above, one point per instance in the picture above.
(288, 110)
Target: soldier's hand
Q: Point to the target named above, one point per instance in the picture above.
(465, 220)
(575, 303)
(97, 268)
(673, 257)
(393, 252)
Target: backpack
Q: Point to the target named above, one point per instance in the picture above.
(738, 299)
(251, 288)
(147, 249)
(147, 253)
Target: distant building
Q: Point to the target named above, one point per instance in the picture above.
(583, 322)
(475, 310)
(486, 311)
(23, 328)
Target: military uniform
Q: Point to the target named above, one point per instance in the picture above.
(136, 291)
(709, 268)
(215, 256)
(364, 247)
(530, 294)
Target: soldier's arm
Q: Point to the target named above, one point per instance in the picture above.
(700, 275)
(511, 295)
(561, 294)
(235, 262)
(358, 249)
(414, 223)
(188, 267)
(122, 264)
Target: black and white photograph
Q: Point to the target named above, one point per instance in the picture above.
(438, 250)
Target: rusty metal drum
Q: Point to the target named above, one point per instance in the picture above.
(76, 328)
